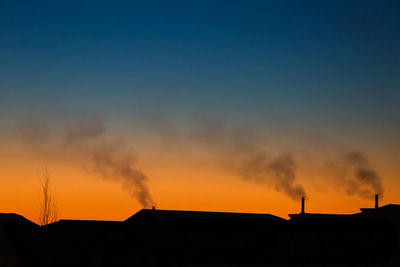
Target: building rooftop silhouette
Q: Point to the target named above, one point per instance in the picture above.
(171, 215)
(153, 237)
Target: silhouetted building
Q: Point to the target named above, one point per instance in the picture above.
(14, 231)
(362, 238)
(216, 237)
(154, 237)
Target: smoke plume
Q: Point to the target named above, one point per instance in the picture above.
(360, 178)
(84, 143)
(240, 153)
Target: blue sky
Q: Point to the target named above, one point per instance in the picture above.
(322, 64)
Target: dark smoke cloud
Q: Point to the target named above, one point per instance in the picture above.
(360, 177)
(85, 144)
(283, 169)
(239, 152)
(112, 159)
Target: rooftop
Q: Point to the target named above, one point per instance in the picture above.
(172, 215)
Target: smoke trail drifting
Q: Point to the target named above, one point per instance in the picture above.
(363, 179)
(283, 169)
(85, 144)
(239, 153)
(111, 159)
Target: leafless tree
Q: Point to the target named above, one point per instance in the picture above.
(48, 209)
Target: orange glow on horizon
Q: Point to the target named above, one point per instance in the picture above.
(175, 184)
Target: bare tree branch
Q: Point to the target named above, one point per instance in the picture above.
(48, 209)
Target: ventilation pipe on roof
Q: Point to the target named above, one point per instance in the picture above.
(302, 205)
(376, 201)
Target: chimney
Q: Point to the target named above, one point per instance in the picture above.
(376, 201)
(153, 207)
(302, 205)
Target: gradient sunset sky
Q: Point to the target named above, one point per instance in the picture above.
(192, 104)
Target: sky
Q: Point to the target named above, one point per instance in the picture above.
(237, 106)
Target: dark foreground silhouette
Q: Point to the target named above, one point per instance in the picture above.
(190, 238)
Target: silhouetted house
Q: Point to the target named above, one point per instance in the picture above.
(391, 215)
(363, 238)
(103, 243)
(218, 237)
(79, 242)
(15, 232)
(191, 238)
